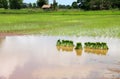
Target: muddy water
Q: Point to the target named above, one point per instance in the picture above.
(37, 57)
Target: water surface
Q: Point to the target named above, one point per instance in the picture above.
(37, 57)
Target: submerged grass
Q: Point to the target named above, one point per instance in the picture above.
(90, 23)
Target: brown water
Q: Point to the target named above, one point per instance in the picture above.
(37, 57)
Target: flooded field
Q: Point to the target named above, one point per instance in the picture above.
(37, 57)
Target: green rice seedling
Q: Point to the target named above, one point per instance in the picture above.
(67, 43)
(71, 43)
(96, 45)
(58, 43)
(87, 45)
(59, 24)
(63, 43)
(92, 45)
(104, 46)
(78, 46)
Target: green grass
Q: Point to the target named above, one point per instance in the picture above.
(64, 22)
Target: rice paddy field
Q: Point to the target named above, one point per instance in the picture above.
(62, 22)
(64, 44)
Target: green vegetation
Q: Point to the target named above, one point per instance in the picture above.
(58, 43)
(65, 43)
(78, 46)
(96, 45)
(54, 5)
(40, 3)
(12, 4)
(78, 4)
(96, 4)
(63, 22)
(4, 4)
(99, 48)
(15, 4)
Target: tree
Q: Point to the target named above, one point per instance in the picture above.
(24, 5)
(40, 3)
(86, 4)
(15, 4)
(0, 4)
(4, 4)
(99, 4)
(116, 4)
(74, 5)
(95, 4)
(64, 6)
(34, 5)
(54, 5)
(106, 4)
(80, 3)
(30, 5)
(68, 7)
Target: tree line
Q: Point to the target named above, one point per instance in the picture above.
(78, 4)
(12, 4)
(18, 4)
(96, 4)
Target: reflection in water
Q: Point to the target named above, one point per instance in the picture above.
(114, 70)
(78, 52)
(36, 57)
(63, 48)
(96, 51)
(69, 49)
(2, 38)
(90, 47)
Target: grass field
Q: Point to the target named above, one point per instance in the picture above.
(71, 22)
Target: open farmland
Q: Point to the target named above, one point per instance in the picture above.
(70, 22)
